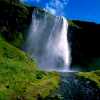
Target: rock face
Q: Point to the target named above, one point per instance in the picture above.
(14, 19)
(84, 40)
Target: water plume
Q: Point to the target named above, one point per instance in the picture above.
(47, 42)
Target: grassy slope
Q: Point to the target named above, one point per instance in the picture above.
(19, 77)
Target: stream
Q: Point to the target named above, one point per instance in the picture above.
(73, 87)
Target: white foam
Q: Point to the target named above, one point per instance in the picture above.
(48, 43)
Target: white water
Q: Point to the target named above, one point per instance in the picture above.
(47, 42)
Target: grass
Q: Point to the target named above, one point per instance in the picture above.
(71, 23)
(93, 76)
(20, 78)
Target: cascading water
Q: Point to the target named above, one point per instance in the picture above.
(47, 42)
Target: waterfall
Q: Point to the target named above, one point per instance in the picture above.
(47, 42)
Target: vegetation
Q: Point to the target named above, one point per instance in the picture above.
(19, 77)
(72, 24)
(93, 76)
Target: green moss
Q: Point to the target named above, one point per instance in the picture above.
(71, 23)
(19, 77)
(93, 76)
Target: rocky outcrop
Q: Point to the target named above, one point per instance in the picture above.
(14, 20)
(84, 40)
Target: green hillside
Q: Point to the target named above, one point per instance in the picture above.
(19, 77)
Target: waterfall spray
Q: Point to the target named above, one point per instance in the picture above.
(47, 42)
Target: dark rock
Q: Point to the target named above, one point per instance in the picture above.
(84, 38)
(15, 19)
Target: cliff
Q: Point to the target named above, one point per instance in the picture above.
(84, 42)
(14, 21)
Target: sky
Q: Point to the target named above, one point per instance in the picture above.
(86, 10)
